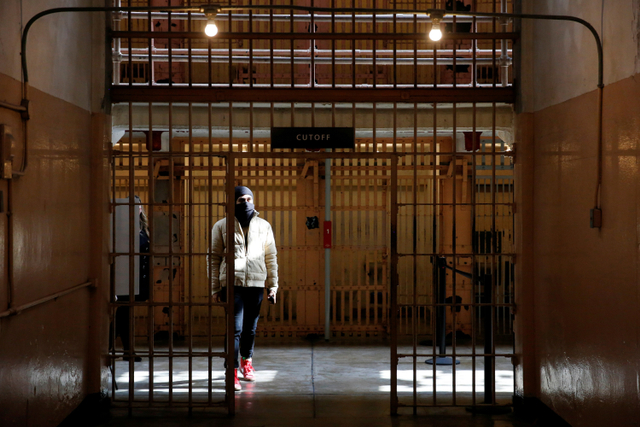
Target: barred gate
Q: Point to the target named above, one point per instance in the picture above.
(428, 187)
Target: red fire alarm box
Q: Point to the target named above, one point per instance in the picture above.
(327, 234)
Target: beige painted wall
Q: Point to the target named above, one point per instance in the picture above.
(561, 57)
(50, 357)
(60, 60)
(579, 313)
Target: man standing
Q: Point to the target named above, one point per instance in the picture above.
(256, 268)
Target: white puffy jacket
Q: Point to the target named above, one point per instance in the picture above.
(256, 262)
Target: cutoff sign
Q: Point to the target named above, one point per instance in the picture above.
(312, 138)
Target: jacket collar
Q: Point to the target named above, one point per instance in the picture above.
(255, 214)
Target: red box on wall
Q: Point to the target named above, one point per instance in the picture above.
(327, 234)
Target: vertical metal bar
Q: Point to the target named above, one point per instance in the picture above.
(474, 52)
(333, 49)
(290, 182)
(251, 127)
(312, 46)
(117, 43)
(437, 249)
(504, 75)
(375, 80)
(435, 82)
(362, 234)
(393, 318)
(474, 278)
(353, 220)
(454, 259)
(494, 249)
(149, 46)
(230, 260)
(209, 222)
(131, 258)
(332, 199)
(455, 78)
(353, 47)
(150, 309)
(130, 51)
(170, 242)
(170, 49)
(209, 65)
(343, 224)
(414, 250)
(189, 41)
(474, 265)
(327, 251)
(395, 61)
(190, 246)
(487, 300)
(230, 47)
(250, 48)
(271, 68)
(441, 311)
(415, 53)
(112, 262)
(291, 53)
(494, 77)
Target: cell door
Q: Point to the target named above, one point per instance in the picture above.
(454, 295)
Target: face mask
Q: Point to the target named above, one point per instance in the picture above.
(244, 212)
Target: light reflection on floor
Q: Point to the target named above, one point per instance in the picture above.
(286, 370)
(444, 380)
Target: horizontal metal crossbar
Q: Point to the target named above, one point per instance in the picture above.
(219, 94)
(307, 36)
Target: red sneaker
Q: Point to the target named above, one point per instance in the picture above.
(236, 381)
(247, 369)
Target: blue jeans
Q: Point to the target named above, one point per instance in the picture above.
(247, 302)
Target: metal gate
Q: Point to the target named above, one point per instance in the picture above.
(422, 208)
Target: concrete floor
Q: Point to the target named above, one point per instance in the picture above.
(307, 383)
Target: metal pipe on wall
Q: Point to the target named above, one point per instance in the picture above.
(14, 107)
(17, 310)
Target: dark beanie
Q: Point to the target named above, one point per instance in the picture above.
(242, 191)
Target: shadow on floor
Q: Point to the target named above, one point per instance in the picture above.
(312, 384)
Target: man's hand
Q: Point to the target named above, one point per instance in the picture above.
(272, 296)
(216, 297)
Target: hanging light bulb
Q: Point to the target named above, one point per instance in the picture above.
(436, 33)
(211, 29)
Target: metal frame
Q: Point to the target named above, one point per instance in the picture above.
(230, 159)
(413, 94)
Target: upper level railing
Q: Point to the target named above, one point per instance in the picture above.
(278, 48)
